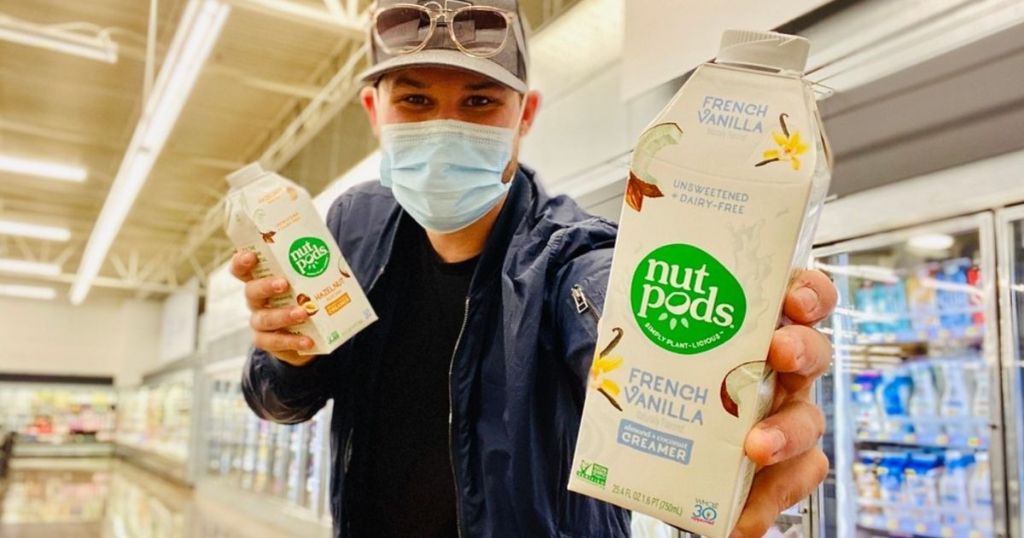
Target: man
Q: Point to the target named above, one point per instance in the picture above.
(456, 414)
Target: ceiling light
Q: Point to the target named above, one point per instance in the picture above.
(96, 47)
(50, 170)
(10, 265)
(194, 39)
(930, 241)
(35, 231)
(28, 292)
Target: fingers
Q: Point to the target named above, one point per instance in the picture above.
(811, 297)
(242, 264)
(258, 291)
(275, 342)
(792, 430)
(277, 318)
(778, 487)
(800, 354)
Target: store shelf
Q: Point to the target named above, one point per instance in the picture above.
(63, 450)
(886, 526)
(173, 469)
(274, 512)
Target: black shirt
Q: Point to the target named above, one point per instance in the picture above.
(403, 483)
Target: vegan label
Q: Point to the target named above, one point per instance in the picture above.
(685, 300)
(592, 472)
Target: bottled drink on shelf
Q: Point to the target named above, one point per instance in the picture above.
(954, 406)
(980, 495)
(924, 403)
(891, 479)
(953, 491)
(922, 487)
(869, 415)
(975, 299)
(894, 398)
(980, 402)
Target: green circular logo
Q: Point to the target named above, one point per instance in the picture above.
(686, 301)
(309, 256)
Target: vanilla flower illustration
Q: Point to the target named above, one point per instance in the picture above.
(790, 146)
(603, 364)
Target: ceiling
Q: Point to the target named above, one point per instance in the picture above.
(255, 98)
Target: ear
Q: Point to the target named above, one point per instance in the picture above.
(530, 109)
(368, 98)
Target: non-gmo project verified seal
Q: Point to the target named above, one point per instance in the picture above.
(592, 472)
(705, 512)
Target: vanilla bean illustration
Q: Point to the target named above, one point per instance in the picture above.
(611, 345)
(611, 399)
(782, 121)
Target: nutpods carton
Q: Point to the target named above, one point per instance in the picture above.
(720, 207)
(275, 219)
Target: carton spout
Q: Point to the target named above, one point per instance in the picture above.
(245, 175)
(767, 50)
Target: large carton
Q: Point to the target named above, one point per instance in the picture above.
(724, 190)
(275, 219)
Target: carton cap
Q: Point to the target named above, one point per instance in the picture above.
(770, 50)
(245, 175)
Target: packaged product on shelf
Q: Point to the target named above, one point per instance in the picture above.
(921, 304)
(869, 416)
(922, 487)
(953, 491)
(891, 481)
(894, 399)
(723, 195)
(975, 298)
(980, 401)
(864, 299)
(954, 404)
(980, 495)
(924, 404)
(275, 219)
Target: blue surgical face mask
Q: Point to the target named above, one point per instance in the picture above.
(446, 174)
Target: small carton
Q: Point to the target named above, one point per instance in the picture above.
(275, 219)
(721, 203)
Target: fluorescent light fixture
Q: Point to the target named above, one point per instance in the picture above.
(11, 265)
(46, 169)
(28, 292)
(930, 241)
(35, 231)
(197, 32)
(97, 47)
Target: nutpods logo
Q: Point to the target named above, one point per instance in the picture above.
(309, 256)
(685, 300)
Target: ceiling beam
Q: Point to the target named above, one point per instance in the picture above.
(352, 28)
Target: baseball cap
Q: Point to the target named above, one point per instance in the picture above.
(508, 66)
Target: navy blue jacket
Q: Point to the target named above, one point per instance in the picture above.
(518, 373)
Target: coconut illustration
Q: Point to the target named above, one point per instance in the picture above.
(738, 381)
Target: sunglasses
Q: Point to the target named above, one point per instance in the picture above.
(479, 31)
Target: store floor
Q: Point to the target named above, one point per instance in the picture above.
(108, 498)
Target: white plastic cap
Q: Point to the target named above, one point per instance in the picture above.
(246, 175)
(770, 50)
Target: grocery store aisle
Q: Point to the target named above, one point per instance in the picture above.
(108, 498)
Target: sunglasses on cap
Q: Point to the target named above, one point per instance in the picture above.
(479, 31)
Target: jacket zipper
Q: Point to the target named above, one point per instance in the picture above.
(451, 415)
(582, 304)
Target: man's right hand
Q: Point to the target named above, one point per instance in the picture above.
(269, 324)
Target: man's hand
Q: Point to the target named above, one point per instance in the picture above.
(269, 324)
(785, 444)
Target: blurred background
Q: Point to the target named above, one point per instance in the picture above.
(122, 335)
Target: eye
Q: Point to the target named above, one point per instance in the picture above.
(416, 100)
(479, 101)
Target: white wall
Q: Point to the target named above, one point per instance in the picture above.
(102, 337)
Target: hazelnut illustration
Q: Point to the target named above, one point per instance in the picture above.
(292, 193)
(306, 303)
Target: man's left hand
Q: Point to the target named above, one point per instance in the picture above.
(785, 444)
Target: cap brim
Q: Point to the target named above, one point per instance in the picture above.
(453, 59)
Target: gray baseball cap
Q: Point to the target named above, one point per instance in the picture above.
(508, 66)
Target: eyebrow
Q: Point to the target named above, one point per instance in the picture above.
(486, 85)
(406, 81)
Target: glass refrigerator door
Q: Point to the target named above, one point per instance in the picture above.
(915, 406)
(1010, 230)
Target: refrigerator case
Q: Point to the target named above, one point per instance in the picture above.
(1010, 236)
(915, 405)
